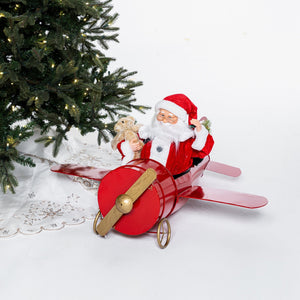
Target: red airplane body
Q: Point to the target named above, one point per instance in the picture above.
(165, 195)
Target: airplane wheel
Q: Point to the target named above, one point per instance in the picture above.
(163, 234)
(99, 215)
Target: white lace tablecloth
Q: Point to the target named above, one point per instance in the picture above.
(49, 201)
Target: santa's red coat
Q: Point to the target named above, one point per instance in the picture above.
(181, 159)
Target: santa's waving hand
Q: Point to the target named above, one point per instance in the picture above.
(170, 139)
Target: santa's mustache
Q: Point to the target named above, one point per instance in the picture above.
(178, 132)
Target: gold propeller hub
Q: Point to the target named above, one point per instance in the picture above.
(124, 203)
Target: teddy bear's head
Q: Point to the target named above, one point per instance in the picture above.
(126, 123)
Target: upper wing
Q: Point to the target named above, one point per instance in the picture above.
(80, 171)
(224, 196)
(223, 169)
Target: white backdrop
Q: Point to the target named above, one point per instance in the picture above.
(239, 62)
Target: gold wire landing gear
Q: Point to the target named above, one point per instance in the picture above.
(162, 232)
(99, 215)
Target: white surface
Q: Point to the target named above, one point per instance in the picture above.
(239, 61)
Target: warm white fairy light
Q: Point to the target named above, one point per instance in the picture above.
(66, 106)
(2, 15)
(75, 80)
(52, 65)
(9, 40)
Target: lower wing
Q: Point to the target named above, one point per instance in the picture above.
(80, 171)
(224, 196)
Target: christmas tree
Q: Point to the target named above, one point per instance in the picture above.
(53, 75)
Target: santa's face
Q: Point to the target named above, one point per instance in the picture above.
(169, 127)
(166, 117)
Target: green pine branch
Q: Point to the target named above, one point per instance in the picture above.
(55, 74)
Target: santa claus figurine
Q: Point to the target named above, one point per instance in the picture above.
(176, 138)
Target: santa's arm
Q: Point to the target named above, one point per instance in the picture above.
(126, 151)
(200, 138)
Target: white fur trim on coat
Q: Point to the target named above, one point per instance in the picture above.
(127, 151)
(200, 140)
(164, 150)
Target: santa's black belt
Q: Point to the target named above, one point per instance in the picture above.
(178, 175)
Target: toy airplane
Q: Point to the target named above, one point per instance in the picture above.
(135, 197)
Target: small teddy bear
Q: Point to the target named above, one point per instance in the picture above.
(126, 130)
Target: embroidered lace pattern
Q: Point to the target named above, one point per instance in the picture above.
(49, 201)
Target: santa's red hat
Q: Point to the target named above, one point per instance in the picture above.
(180, 105)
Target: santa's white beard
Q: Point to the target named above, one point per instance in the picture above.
(176, 133)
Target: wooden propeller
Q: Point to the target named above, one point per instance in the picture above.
(124, 202)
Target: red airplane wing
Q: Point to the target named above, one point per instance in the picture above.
(80, 171)
(223, 169)
(225, 197)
